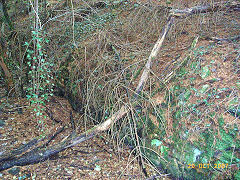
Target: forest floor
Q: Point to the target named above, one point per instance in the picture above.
(99, 158)
(96, 158)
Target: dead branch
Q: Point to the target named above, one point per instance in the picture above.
(203, 9)
(153, 55)
(50, 115)
(217, 39)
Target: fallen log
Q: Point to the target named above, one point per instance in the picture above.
(40, 154)
(15, 157)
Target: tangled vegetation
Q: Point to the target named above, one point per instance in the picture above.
(183, 123)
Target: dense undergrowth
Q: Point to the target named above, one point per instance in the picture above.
(186, 121)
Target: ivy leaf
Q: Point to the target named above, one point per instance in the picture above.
(34, 32)
(28, 97)
(205, 72)
(237, 175)
(28, 56)
(168, 2)
(26, 44)
(196, 153)
(194, 43)
(187, 94)
(97, 168)
(204, 88)
(156, 142)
